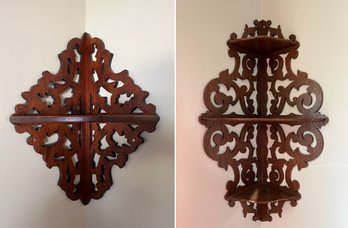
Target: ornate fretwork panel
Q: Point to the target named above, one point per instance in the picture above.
(85, 118)
(263, 121)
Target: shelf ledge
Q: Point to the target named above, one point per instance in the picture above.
(40, 119)
(268, 120)
(263, 194)
(263, 45)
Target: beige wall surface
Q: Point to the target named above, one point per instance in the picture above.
(141, 36)
(202, 30)
(321, 29)
(33, 33)
(203, 27)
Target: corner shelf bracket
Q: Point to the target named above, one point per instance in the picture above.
(263, 121)
(85, 118)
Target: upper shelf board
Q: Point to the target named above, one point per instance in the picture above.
(263, 45)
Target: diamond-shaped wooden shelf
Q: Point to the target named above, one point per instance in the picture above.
(263, 120)
(85, 118)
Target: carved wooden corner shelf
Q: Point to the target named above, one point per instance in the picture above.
(85, 118)
(263, 120)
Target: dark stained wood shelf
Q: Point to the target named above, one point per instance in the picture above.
(254, 150)
(71, 104)
(263, 45)
(267, 120)
(100, 118)
(263, 194)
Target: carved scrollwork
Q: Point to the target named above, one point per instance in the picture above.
(276, 128)
(219, 135)
(219, 102)
(85, 152)
(307, 102)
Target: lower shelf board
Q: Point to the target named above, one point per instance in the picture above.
(263, 194)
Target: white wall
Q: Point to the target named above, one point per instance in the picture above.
(32, 34)
(141, 36)
(321, 29)
(203, 27)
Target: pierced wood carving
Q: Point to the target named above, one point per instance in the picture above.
(263, 121)
(85, 118)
